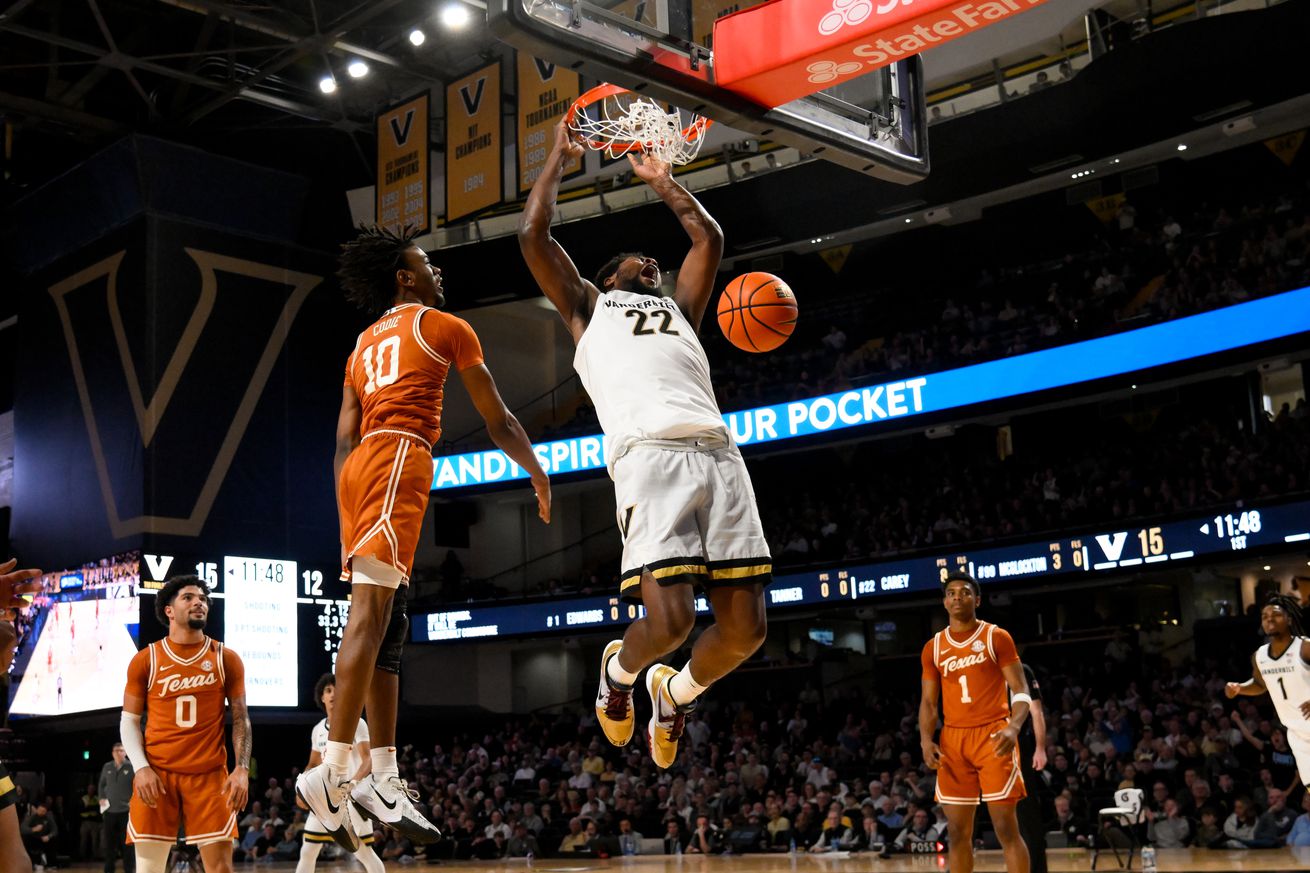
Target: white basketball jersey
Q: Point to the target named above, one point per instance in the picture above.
(647, 373)
(1287, 678)
(319, 740)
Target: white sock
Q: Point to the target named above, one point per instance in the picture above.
(308, 856)
(372, 863)
(617, 674)
(683, 688)
(337, 758)
(384, 763)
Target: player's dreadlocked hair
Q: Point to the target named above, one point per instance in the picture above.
(1292, 607)
(368, 264)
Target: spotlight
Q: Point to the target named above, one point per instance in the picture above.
(1182, 147)
(455, 15)
(417, 37)
(1267, 568)
(357, 69)
(327, 84)
(908, 220)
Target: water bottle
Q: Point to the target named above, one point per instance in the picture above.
(677, 846)
(791, 846)
(1148, 860)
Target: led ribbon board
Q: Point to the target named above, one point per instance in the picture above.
(1183, 339)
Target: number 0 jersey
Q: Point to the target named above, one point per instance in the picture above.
(186, 689)
(399, 367)
(646, 372)
(974, 690)
(1287, 679)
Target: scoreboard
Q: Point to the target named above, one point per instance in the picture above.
(284, 618)
(1231, 530)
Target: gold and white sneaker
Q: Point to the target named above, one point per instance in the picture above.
(614, 701)
(667, 719)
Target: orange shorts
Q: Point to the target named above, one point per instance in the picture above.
(196, 802)
(381, 499)
(969, 769)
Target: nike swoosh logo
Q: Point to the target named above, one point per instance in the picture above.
(391, 805)
(335, 809)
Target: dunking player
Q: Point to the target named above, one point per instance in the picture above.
(970, 664)
(13, 585)
(686, 508)
(390, 418)
(1285, 675)
(325, 694)
(180, 684)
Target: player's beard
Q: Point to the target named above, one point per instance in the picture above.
(195, 623)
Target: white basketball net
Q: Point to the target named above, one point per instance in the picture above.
(614, 129)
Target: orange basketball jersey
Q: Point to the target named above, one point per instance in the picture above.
(399, 367)
(974, 691)
(186, 689)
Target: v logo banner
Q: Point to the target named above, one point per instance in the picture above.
(545, 69)
(151, 411)
(473, 99)
(401, 133)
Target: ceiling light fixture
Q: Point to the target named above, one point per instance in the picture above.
(357, 69)
(327, 84)
(417, 37)
(1182, 147)
(455, 16)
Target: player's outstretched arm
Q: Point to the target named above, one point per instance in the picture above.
(930, 692)
(551, 266)
(506, 432)
(696, 277)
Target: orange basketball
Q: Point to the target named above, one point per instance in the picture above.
(757, 312)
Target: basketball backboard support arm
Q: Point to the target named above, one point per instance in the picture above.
(876, 124)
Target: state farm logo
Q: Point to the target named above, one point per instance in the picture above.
(846, 12)
(827, 71)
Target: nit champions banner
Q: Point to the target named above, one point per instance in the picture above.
(545, 92)
(474, 181)
(404, 195)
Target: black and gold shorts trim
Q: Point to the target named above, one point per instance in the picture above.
(8, 791)
(697, 572)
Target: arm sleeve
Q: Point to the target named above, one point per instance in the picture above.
(1003, 648)
(454, 338)
(930, 671)
(234, 672)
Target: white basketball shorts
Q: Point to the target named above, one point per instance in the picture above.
(686, 511)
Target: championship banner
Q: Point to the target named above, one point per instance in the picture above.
(832, 41)
(404, 195)
(545, 92)
(474, 180)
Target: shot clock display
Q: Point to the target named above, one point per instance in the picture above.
(1233, 530)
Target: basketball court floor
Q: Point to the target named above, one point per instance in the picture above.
(1058, 861)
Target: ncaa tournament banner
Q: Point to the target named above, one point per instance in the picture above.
(474, 181)
(545, 92)
(403, 185)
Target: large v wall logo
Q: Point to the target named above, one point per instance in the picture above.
(151, 411)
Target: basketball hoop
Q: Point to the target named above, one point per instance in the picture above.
(616, 121)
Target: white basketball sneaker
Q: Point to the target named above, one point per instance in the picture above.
(328, 799)
(390, 802)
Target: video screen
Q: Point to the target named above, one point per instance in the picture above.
(77, 638)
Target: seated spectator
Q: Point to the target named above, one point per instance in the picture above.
(834, 834)
(265, 843)
(39, 831)
(1170, 831)
(673, 839)
(1239, 827)
(920, 836)
(1300, 833)
(396, 848)
(1272, 828)
(1208, 833)
(1078, 831)
(523, 844)
(246, 845)
(575, 840)
(629, 838)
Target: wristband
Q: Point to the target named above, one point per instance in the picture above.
(1021, 697)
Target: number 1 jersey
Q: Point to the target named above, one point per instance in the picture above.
(1287, 679)
(974, 690)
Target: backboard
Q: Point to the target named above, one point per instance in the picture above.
(875, 123)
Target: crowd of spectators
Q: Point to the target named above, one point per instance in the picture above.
(818, 771)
